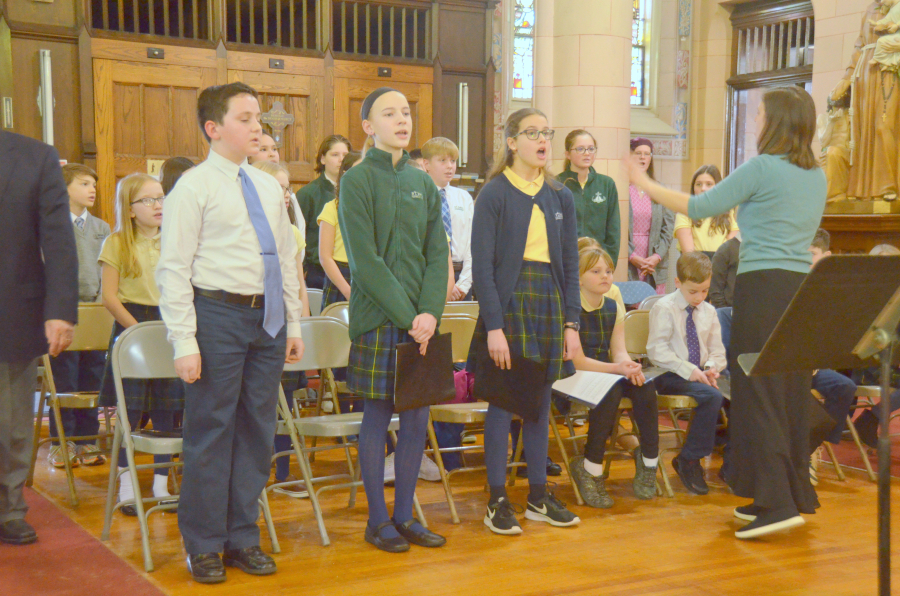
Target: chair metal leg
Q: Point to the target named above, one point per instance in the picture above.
(565, 456)
(139, 506)
(445, 479)
(837, 466)
(61, 434)
(36, 442)
(306, 472)
(862, 450)
(270, 526)
(517, 457)
(111, 489)
(665, 476)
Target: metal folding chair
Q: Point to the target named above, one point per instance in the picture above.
(315, 301)
(142, 352)
(93, 331)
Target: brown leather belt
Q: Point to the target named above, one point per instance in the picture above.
(253, 301)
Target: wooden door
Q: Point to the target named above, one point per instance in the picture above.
(476, 156)
(301, 96)
(354, 81)
(144, 111)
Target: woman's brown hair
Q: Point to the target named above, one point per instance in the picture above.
(790, 126)
(722, 222)
(171, 171)
(325, 147)
(570, 140)
(350, 160)
(505, 156)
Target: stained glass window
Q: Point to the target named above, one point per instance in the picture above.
(640, 21)
(523, 50)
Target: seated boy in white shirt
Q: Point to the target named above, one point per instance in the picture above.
(686, 340)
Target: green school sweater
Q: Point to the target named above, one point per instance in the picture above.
(311, 199)
(596, 209)
(397, 248)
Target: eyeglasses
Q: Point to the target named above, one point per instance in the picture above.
(583, 150)
(286, 189)
(148, 201)
(532, 134)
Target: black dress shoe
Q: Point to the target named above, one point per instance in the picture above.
(206, 568)
(250, 560)
(128, 510)
(17, 531)
(424, 537)
(388, 545)
(691, 473)
(553, 469)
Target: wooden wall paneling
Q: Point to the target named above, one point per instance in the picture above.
(341, 109)
(350, 93)
(301, 96)
(27, 119)
(369, 71)
(297, 65)
(449, 101)
(59, 13)
(328, 96)
(6, 69)
(144, 111)
(86, 82)
(438, 107)
(137, 52)
(462, 35)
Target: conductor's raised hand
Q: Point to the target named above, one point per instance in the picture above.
(423, 327)
(498, 348)
(294, 350)
(636, 174)
(188, 367)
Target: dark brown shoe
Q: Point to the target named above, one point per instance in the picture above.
(18, 532)
(206, 568)
(424, 537)
(250, 560)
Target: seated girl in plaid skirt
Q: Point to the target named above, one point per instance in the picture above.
(525, 269)
(390, 216)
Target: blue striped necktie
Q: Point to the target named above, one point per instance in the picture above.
(273, 315)
(445, 214)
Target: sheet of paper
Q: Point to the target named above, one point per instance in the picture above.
(588, 387)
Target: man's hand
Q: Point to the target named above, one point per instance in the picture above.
(59, 335)
(457, 294)
(188, 367)
(423, 327)
(294, 351)
(698, 376)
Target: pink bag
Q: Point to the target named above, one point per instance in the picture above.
(464, 381)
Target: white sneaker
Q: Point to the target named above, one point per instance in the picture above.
(429, 470)
(389, 474)
(57, 455)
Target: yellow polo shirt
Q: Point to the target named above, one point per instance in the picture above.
(536, 245)
(136, 290)
(702, 240)
(330, 216)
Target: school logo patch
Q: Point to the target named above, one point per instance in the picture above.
(599, 198)
(416, 194)
(558, 215)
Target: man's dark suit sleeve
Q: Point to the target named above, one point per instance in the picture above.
(57, 243)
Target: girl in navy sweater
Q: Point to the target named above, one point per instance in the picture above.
(525, 270)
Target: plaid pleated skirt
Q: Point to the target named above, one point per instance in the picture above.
(534, 321)
(140, 394)
(330, 292)
(373, 356)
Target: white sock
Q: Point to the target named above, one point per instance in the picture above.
(161, 485)
(592, 468)
(126, 490)
(650, 463)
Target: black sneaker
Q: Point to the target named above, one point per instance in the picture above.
(769, 521)
(551, 510)
(501, 518)
(644, 483)
(592, 488)
(747, 512)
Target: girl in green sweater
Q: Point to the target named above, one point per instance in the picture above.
(390, 216)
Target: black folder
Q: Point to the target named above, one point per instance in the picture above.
(424, 380)
(516, 390)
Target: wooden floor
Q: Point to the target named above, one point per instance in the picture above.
(666, 546)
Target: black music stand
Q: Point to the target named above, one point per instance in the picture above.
(844, 316)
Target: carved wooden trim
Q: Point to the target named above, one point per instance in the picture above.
(260, 63)
(40, 32)
(366, 69)
(137, 52)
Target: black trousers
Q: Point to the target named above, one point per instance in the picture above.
(602, 418)
(770, 415)
(229, 427)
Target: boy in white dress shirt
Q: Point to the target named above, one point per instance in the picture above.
(230, 299)
(686, 340)
(457, 210)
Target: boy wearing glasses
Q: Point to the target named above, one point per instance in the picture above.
(80, 371)
(596, 197)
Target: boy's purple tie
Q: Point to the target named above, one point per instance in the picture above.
(693, 342)
(273, 315)
(445, 213)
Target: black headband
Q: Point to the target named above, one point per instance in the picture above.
(370, 99)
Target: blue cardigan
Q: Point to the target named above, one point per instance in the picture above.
(499, 232)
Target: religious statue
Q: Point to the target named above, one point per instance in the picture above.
(874, 112)
(834, 137)
(887, 48)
